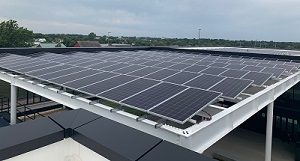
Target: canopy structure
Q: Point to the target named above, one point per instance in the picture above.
(189, 97)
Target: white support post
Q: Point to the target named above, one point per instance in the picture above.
(13, 104)
(64, 89)
(269, 128)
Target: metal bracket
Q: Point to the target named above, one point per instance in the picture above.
(160, 123)
(141, 118)
(119, 108)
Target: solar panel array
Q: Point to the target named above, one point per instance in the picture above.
(172, 85)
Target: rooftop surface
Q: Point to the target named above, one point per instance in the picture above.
(191, 98)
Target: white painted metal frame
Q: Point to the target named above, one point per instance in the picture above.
(197, 137)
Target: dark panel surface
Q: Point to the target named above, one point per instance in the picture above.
(159, 75)
(258, 78)
(128, 89)
(253, 68)
(214, 70)
(164, 64)
(181, 77)
(179, 66)
(129, 69)
(106, 84)
(38, 67)
(144, 71)
(275, 71)
(231, 87)
(195, 68)
(204, 81)
(185, 105)
(74, 76)
(102, 65)
(89, 80)
(153, 96)
(115, 141)
(115, 67)
(235, 66)
(235, 73)
(62, 73)
(49, 70)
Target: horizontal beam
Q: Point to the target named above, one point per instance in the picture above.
(202, 136)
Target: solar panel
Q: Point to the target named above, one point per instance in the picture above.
(218, 64)
(204, 81)
(181, 77)
(234, 62)
(129, 69)
(266, 65)
(164, 64)
(89, 80)
(195, 68)
(250, 63)
(129, 89)
(258, 77)
(153, 96)
(61, 73)
(139, 61)
(185, 105)
(151, 63)
(49, 70)
(115, 66)
(107, 84)
(178, 60)
(37, 67)
(231, 87)
(288, 68)
(159, 75)
(179, 66)
(205, 63)
(275, 71)
(144, 71)
(74, 76)
(234, 73)
(235, 66)
(101, 65)
(87, 63)
(253, 68)
(16, 67)
(190, 61)
(214, 70)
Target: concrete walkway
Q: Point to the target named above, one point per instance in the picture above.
(244, 145)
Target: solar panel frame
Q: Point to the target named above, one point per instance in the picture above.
(147, 99)
(258, 78)
(186, 113)
(234, 73)
(231, 87)
(181, 77)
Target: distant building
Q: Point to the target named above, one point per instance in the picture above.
(41, 40)
(87, 44)
(49, 45)
(116, 45)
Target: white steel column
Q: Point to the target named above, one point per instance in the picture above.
(64, 89)
(269, 128)
(13, 104)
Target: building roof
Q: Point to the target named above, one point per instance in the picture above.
(87, 44)
(109, 139)
(49, 45)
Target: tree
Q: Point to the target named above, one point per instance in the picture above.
(11, 35)
(92, 36)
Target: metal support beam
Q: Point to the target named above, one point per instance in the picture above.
(269, 128)
(64, 89)
(13, 104)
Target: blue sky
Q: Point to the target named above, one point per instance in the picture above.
(277, 20)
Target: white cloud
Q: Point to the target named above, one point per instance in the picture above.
(230, 19)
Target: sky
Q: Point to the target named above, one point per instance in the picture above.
(277, 20)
